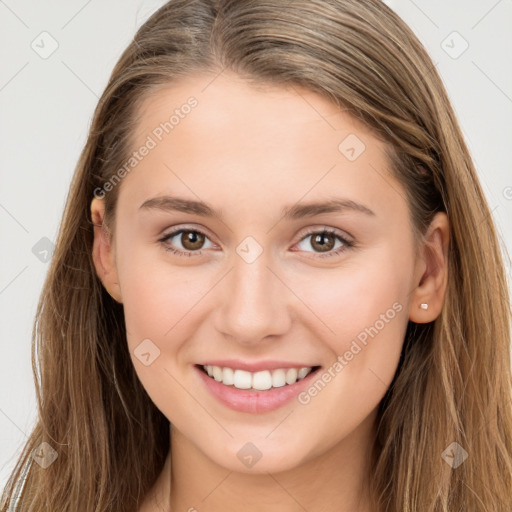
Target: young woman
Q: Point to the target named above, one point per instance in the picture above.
(277, 284)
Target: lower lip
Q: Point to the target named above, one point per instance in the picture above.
(255, 402)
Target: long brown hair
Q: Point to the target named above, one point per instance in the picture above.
(453, 383)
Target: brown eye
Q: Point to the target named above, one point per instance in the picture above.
(323, 242)
(187, 242)
(192, 240)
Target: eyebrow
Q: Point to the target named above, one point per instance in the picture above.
(296, 211)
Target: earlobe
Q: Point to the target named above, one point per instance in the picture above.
(103, 251)
(428, 296)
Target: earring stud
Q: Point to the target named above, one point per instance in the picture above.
(424, 306)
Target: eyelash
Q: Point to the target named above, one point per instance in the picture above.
(347, 244)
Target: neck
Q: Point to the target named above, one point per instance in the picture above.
(335, 480)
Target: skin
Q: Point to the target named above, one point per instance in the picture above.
(250, 151)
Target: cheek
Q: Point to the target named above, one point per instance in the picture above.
(367, 318)
(156, 295)
(159, 303)
(365, 309)
(353, 299)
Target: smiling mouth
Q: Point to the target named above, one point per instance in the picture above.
(257, 381)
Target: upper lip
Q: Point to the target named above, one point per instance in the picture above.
(255, 366)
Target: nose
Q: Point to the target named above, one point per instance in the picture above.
(255, 303)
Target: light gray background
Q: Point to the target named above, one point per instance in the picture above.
(46, 108)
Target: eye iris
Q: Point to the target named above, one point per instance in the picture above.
(192, 240)
(320, 238)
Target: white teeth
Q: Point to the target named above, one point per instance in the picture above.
(302, 373)
(278, 378)
(291, 376)
(228, 376)
(260, 381)
(242, 379)
(217, 373)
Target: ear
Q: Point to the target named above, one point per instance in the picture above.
(103, 251)
(431, 271)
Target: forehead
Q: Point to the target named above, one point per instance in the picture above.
(218, 133)
(229, 101)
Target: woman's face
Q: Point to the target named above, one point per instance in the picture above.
(219, 259)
